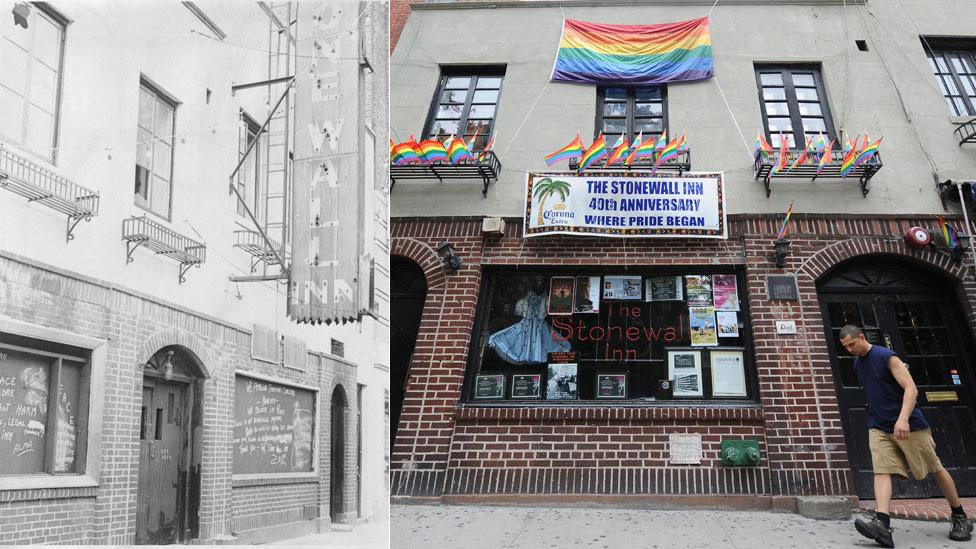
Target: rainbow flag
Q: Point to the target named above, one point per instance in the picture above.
(949, 234)
(804, 156)
(782, 228)
(646, 149)
(471, 143)
(848, 163)
(761, 145)
(825, 156)
(868, 151)
(458, 151)
(595, 53)
(781, 160)
(669, 152)
(634, 147)
(620, 149)
(596, 151)
(433, 150)
(405, 153)
(574, 149)
(491, 143)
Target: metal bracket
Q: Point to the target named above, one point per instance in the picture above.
(864, 185)
(184, 267)
(130, 246)
(72, 223)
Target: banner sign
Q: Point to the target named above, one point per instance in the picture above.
(615, 205)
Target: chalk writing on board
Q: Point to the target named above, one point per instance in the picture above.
(273, 427)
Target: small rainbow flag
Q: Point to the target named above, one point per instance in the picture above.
(595, 53)
(868, 151)
(804, 156)
(634, 147)
(433, 151)
(669, 152)
(848, 163)
(825, 156)
(596, 151)
(620, 149)
(458, 151)
(949, 234)
(781, 160)
(574, 149)
(761, 145)
(406, 153)
(491, 143)
(782, 228)
(472, 142)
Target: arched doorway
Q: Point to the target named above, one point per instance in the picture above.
(915, 312)
(169, 456)
(408, 288)
(337, 471)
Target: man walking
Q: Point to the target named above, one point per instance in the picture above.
(898, 435)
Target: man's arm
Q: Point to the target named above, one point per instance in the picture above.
(904, 378)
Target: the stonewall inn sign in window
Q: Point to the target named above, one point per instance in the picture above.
(611, 204)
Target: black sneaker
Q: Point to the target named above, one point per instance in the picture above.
(962, 528)
(878, 532)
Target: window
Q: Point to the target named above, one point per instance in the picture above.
(641, 341)
(30, 80)
(43, 407)
(154, 151)
(794, 104)
(249, 176)
(465, 104)
(629, 111)
(955, 70)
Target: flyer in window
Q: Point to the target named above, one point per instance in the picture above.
(561, 383)
(685, 370)
(526, 386)
(611, 385)
(587, 294)
(728, 323)
(703, 332)
(728, 372)
(561, 295)
(664, 288)
(725, 292)
(698, 288)
(621, 287)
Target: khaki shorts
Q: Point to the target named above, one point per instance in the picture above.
(892, 456)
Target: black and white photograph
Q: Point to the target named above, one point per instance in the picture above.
(685, 372)
(561, 382)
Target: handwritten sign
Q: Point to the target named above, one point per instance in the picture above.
(611, 204)
(273, 427)
(23, 412)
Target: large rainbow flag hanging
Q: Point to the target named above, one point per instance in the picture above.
(594, 53)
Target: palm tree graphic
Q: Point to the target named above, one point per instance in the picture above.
(545, 188)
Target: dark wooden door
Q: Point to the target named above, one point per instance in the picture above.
(918, 322)
(338, 455)
(161, 436)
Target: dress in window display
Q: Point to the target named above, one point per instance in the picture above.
(530, 340)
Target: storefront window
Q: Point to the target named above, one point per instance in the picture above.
(605, 336)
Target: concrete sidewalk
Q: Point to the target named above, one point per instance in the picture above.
(371, 535)
(496, 527)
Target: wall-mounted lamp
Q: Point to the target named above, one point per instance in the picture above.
(21, 11)
(166, 368)
(446, 250)
(782, 247)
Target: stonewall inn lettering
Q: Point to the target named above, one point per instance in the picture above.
(626, 323)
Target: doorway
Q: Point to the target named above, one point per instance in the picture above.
(337, 478)
(408, 290)
(916, 315)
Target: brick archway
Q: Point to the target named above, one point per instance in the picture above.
(425, 257)
(175, 336)
(837, 253)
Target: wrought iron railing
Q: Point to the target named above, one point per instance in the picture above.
(680, 163)
(764, 162)
(38, 184)
(142, 231)
(966, 131)
(260, 249)
(486, 167)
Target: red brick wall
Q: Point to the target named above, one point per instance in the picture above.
(443, 448)
(399, 12)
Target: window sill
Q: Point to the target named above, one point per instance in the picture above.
(33, 487)
(609, 410)
(243, 481)
(956, 120)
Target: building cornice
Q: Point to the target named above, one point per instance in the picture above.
(493, 4)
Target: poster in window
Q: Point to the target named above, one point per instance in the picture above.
(703, 331)
(526, 386)
(24, 382)
(621, 287)
(728, 372)
(725, 293)
(587, 294)
(611, 385)
(664, 288)
(489, 386)
(698, 289)
(561, 295)
(685, 369)
(561, 383)
(728, 323)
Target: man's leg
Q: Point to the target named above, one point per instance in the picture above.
(948, 487)
(882, 492)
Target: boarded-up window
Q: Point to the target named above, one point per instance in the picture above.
(265, 345)
(295, 353)
(274, 426)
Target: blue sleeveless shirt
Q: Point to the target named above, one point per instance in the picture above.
(883, 392)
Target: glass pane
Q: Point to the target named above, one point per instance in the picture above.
(47, 41)
(15, 33)
(935, 316)
(615, 93)
(806, 94)
(771, 78)
(777, 108)
(164, 159)
(23, 443)
(967, 63)
(932, 65)
(940, 61)
(11, 115)
(942, 86)
(146, 102)
(67, 418)
(489, 82)
(956, 62)
(774, 140)
(457, 83)
(482, 111)
(44, 86)
(810, 109)
(144, 148)
(444, 127)
(453, 96)
(648, 94)
(814, 125)
(480, 126)
(950, 84)
(649, 109)
(485, 96)
(40, 132)
(614, 109)
(961, 107)
(648, 125)
(13, 67)
(614, 125)
(610, 138)
(801, 79)
(449, 111)
(780, 124)
(967, 85)
(164, 120)
(774, 93)
(159, 196)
